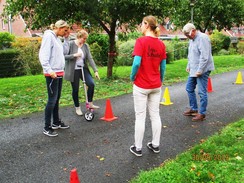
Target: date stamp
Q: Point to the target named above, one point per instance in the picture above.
(210, 157)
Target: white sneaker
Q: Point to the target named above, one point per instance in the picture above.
(92, 106)
(78, 111)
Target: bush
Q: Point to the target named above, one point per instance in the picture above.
(103, 41)
(219, 41)
(170, 51)
(125, 50)
(9, 65)
(128, 36)
(28, 49)
(96, 53)
(5, 40)
(240, 47)
(180, 49)
(223, 52)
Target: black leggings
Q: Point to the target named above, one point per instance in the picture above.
(76, 84)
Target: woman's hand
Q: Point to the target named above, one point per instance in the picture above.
(97, 75)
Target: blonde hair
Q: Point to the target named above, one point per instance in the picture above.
(81, 34)
(59, 24)
(153, 24)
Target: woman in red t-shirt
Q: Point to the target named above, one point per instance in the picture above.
(147, 75)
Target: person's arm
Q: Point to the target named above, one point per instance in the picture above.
(45, 53)
(66, 46)
(162, 69)
(204, 49)
(135, 66)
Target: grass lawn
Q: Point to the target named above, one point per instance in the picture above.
(218, 159)
(27, 94)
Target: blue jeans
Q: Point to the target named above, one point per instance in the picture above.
(202, 83)
(54, 87)
(75, 85)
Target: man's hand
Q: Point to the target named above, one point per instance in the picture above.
(198, 74)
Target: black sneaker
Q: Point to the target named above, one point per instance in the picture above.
(134, 151)
(154, 149)
(50, 132)
(61, 126)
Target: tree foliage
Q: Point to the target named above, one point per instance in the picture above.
(108, 14)
(209, 14)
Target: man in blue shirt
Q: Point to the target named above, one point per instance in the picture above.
(200, 64)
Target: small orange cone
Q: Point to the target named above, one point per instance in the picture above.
(74, 176)
(166, 97)
(210, 89)
(239, 78)
(108, 112)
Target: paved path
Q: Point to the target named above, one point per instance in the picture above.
(100, 150)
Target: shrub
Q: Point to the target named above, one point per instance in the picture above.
(96, 53)
(223, 52)
(219, 41)
(28, 49)
(103, 41)
(128, 36)
(240, 47)
(125, 50)
(170, 51)
(9, 65)
(180, 49)
(5, 40)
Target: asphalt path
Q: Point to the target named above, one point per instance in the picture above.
(99, 150)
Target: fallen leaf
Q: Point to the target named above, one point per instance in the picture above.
(238, 158)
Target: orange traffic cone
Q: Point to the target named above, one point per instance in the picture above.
(166, 97)
(239, 78)
(210, 89)
(74, 176)
(108, 112)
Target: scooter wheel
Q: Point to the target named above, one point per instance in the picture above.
(89, 116)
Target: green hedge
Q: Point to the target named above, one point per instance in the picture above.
(9, 65)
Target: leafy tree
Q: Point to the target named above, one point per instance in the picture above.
(209, 14)
(108, 14)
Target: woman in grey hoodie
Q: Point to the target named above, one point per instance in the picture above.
(52, 60)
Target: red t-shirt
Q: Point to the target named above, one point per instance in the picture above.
(152, 51)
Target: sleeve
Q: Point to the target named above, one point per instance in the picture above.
(162, 69)
(67, 50)
(135, 66)
(204, 49)
(66, 46)
(138, 49)
(45, 53)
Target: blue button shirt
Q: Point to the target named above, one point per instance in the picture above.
(200, 57)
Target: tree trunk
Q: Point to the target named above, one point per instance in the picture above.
(112, 52)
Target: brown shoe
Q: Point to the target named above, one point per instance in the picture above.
(199, 117)
(190, 112)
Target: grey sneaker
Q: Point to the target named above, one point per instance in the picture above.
(50, 132)
(60, 126)
(154, 149)
(134, 151)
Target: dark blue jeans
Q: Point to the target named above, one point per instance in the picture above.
(54, 87)
(76, 84)
(202, 83)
